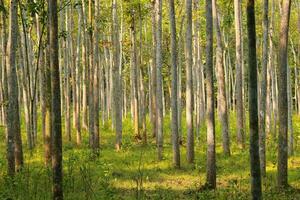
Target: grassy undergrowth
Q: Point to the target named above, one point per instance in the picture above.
(134, 173)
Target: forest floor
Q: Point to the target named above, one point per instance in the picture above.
(135, 173)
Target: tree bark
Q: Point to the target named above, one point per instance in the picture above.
(56, 103)
(263, 91)
(159, 92)
(211, 147)
(222, 100)
(116, 77)
(282, 167)
(253, 104)
(13, 118)
(174, 93)
(239, 74)
(189, 84)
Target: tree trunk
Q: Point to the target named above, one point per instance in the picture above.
(159, 92)
(116, 77)
(56, 107)
(211, 151)
(14, 143)
(222, 100)
(189, 84)
(263, 91)
(253, 103)
(239, 74)
(282, 167)
(174, 93)
(134, 71)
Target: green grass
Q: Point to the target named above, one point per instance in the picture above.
(135, 173)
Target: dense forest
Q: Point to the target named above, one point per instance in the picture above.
(149, 99)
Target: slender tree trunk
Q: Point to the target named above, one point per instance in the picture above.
(211, 147)
(77, 71)
(13, 118)
(222, 100)
(290, 114)
(239, 74)
(174, 93)
(85, 70)
(159, 92)
(56, 107)
(263, 91)
(91, 77)
(134, 70)
(282, 167)
(189, 84)
(153, 73)
(48, 111)
(253, 104)
(116, 77)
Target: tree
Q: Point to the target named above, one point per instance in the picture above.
(48, 112)
(14, 142)
(282, 166)
(253, 110)
(174, 98)
(116, 78)
(263, 90)
(134, 77)
(239, 74)
(159, 95)
(56, 103)
(222, 100)
(210, 120)
(189, 84)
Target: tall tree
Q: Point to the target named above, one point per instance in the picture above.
(222, 100)
(263, 90)
(159, 92)
(153, 73)
(46, 78)
(56, 103)
(91, 72)
(134, 74)
(189, 83)
(282, 167)
(116, 77)
(253, 103)
(210, 120)
(14, 155)
(239, 74)
(174, 98)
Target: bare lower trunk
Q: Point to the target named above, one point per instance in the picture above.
(211, 151)
(282, 167)
(222, 100)
(253, 104)
(189, 84)
(174, 93)
(159, 92)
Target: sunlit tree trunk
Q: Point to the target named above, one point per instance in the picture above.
(14, 154)
(282, 167)
(174, 93)
(239, 74)
(210, 121)
(134, 74)
(153, 73)
(189, 84)
(263, 91)
(222, 100)
(159, 92)
(116, 77)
